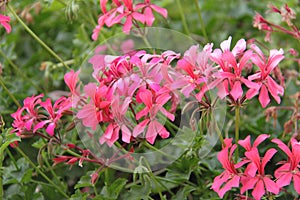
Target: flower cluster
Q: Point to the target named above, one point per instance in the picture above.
(127, 14)
(132, 93)
(287, 15)
(253, 176)
(36, 115)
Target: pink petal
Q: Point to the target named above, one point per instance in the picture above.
(225, 45)
(140, 17)
(151, 133)
(138, 129)
(297, 182)
(264, 96)
(249, 184)
(271, 185)
(50, 129)
(245, 143)
(40, 125)
(160, 10)
(236, 91)
(268, 155)
(283, 147)
(259, 190)
(239, 47)
(284, 180)
(126, 134)
(127, 25)
(234, 182)
(260, 139)
(251, 93)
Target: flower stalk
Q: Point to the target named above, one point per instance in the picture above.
(43, 44)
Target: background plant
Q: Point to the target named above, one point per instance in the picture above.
(56, 36)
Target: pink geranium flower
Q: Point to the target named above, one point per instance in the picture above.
(247, 144)
(126, 13)
(230, 177)
(25, 122)
(71, 79)
(230, 79)
(256, 178)
(290, 168)
(154, 103)
(266, 83)
(97, 110)
(4, 21)
(53, 115)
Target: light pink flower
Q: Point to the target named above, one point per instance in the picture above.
(4, 21)
(154, 103)
(71, 79)
(266, 83)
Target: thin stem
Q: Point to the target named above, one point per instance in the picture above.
(9, 93)
(201, 20)
(52, 171)
(1, 173)
(183, 17)
(13, 159)
(218, 129)
(155, 149)
(237, 129)
(41, 173)
(36, 37)
(16, 68)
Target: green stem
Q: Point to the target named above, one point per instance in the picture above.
(9, 93)
(41, 173)
(13, 159)
(16, 68)
(52, 171)
(237, 129)
(217, 129)
(201, 20)
(155, 149)
(1, 173)
(36, 37)
(185, 26)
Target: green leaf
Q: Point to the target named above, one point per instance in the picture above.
(112, 191)
(85, 181)
(8, 138)
(138, 192)
(183, 193)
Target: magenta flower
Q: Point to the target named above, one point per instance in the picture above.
(4, 21)
(230, 177)
(266, 83)
(290, 168)
(256, 178)
(53, 114)
(19, 122)
(25, 122)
